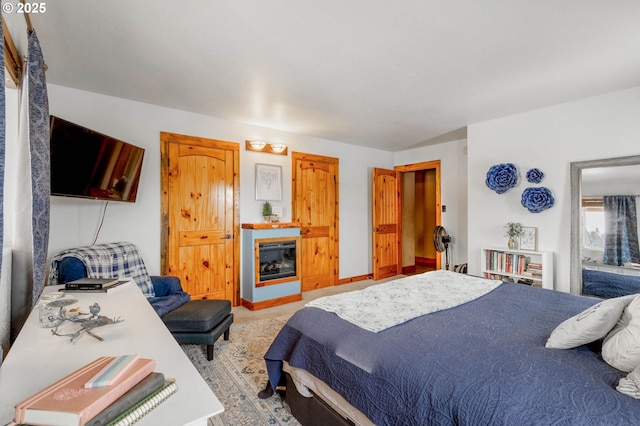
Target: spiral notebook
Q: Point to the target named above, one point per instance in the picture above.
(145, 406)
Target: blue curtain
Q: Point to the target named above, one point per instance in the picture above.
(40, 162)
(621, 230)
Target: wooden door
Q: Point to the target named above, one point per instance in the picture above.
(386, 223)
(315, 207)
(200, 243)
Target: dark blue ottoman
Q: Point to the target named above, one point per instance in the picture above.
(200, 322)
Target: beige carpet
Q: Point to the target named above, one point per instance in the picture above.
(238, 372)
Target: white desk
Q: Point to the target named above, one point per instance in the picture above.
(38, 358)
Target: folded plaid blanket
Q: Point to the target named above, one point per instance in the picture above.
(109, 260)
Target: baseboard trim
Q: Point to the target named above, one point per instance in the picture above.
(255, 306)
(355, 279)
(426, 261)
(411, 269)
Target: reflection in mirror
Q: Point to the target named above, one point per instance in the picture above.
(605, 255)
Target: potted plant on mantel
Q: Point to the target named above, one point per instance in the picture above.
(514, 230)
(266, 211)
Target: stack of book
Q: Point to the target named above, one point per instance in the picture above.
(533, 270)
(108, 391)
(91, 285)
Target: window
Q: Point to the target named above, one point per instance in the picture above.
(593, 221)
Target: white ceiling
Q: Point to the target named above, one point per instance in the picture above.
(386, 74)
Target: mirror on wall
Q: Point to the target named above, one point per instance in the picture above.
(599, 188)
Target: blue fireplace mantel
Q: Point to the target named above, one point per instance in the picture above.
(259, 295)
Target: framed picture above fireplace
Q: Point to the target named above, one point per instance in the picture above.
(268, 182)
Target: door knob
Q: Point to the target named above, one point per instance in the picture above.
(226, 237)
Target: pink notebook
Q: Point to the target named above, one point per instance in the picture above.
(68, 402)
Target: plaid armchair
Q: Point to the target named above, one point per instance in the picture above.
(118, 260)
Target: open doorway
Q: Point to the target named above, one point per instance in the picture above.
(420, 207)
(419, 219)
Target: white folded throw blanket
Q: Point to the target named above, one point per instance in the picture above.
(382, 306)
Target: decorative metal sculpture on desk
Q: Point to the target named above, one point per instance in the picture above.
(87, 323)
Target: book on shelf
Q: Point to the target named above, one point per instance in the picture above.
(493, 276)
(149, 386)
(533, 270)
(506, 262)
(526, 281)
(90, 283)
(68, 402)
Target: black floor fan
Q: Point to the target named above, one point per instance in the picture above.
(441, 242)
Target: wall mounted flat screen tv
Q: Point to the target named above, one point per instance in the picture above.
(88, 164)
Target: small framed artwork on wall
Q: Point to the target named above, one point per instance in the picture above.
(528, 238)
(268, 182)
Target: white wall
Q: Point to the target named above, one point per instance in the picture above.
(74, 222)
(550, 138)
(453, 187)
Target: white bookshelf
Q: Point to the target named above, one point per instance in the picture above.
(515, 265)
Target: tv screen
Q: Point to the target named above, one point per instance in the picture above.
(88, 164)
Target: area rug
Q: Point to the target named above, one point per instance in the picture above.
(238, 372)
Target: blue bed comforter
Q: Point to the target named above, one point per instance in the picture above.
(608, 284)
(480, 363)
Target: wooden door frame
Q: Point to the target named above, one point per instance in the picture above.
(427, 165)
(165, 139)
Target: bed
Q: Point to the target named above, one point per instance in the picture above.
(608, 284)
(483, 362)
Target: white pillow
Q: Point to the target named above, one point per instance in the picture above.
(589, 325)
(630, 385)
(621, 347)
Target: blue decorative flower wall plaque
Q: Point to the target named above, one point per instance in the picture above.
(537, 200)
(502, 177)
(535, 175)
